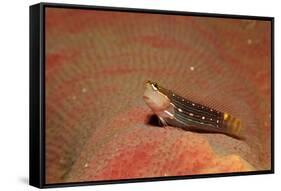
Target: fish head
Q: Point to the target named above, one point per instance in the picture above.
(154, 98)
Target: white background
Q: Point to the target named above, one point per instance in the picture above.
(14, 84)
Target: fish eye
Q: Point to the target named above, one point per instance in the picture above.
(155, 86)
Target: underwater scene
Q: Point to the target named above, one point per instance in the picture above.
(140, 95)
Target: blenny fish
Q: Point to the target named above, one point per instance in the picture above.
(174, 110)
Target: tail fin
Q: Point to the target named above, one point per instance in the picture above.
(232, 125)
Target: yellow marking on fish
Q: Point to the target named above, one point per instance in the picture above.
(225, 116)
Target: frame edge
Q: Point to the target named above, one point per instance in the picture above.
(36, 139)
(35, 98)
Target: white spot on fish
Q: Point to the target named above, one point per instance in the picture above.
(218, 121)
(203, 117)
(180, 110)
(191, 114)
(193, 104)
(86, 165)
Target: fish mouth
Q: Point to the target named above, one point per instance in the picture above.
(146, 97)
(147, 83)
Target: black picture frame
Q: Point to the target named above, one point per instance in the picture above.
(37, 174)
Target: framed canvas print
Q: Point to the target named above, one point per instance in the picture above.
(125, 95)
